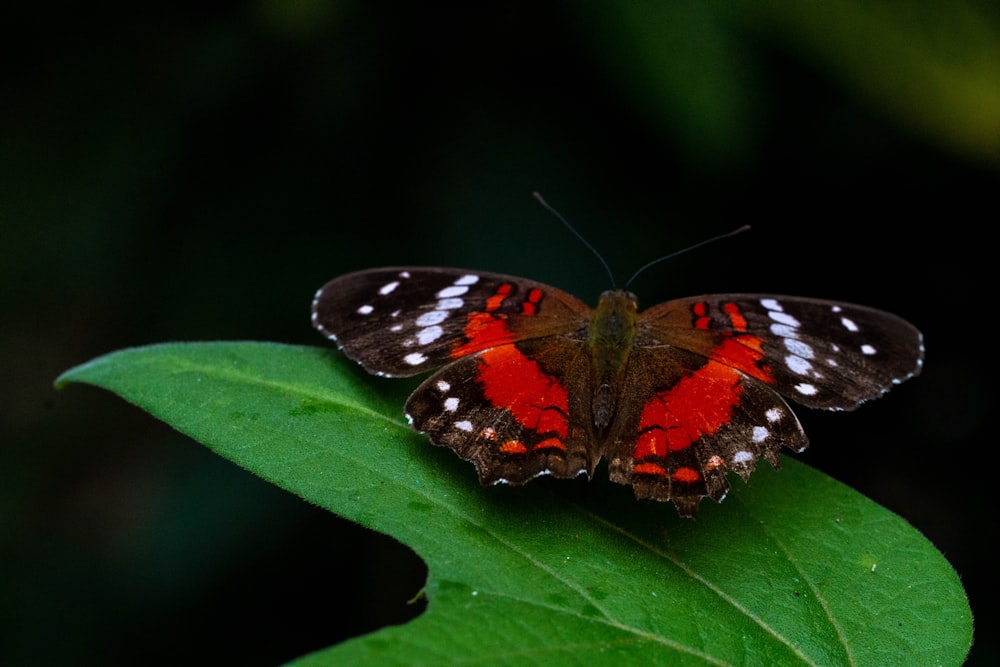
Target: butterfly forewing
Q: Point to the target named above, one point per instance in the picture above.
(821, 354)
(407, 320)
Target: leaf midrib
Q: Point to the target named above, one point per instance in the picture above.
(811, 583)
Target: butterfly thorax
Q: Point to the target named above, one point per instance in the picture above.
(611, 337)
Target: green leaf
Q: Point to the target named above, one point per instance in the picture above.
(792, 569)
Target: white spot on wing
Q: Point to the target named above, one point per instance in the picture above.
(464, 425)
(443, 386)
(799, 348)
(784, 331)
(773, 415)
(450, 304)
(771, 304)
(388, 287)
(454, 290)
(432, 317)
(414, 358)
(797, 364)
(742, 457)
(759, 434)
(868, 349)
(365, 309)
(806, 389)
(783, 318)
(848, 324)
(451, 404)
(429, 334)
(468, 279)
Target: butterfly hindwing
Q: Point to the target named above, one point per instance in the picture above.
(510, 410)
(695, 419)
(407, 320)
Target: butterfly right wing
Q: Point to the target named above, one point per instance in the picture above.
(711, 372)
(689, 421)
(818, 353)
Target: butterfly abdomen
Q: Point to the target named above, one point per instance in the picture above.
(611, 337)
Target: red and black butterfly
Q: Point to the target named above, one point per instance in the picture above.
(532, 381)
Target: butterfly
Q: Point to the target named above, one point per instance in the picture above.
(532, 381)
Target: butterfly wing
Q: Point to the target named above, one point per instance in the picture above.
(510, 349)
(688, 421)
(821, 354)
(709, 374)
(515, 411)
(404, 321)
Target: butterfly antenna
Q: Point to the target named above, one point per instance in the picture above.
(577, 234)
(740, 230)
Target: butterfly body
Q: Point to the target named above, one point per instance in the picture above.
(531, 381)
(611, 337)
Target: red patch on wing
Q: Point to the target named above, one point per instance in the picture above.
(735, 316)
(702, 320)
(744, 353)
(536, 400)
(688, 475)
(649, 469)
(518, 447)
(530, 305)
(699, 404)
(489, 328)
(700, 310)
(696, 406)
(513, 447)
(551, 443)
(482, 331)
(496, 300)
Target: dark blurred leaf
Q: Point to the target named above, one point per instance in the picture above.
(932, 67)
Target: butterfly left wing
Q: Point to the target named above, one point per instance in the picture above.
(403, 321)
(509, 348)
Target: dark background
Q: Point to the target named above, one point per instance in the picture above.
(195, 173)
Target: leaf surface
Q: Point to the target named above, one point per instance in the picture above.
(792, 568)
